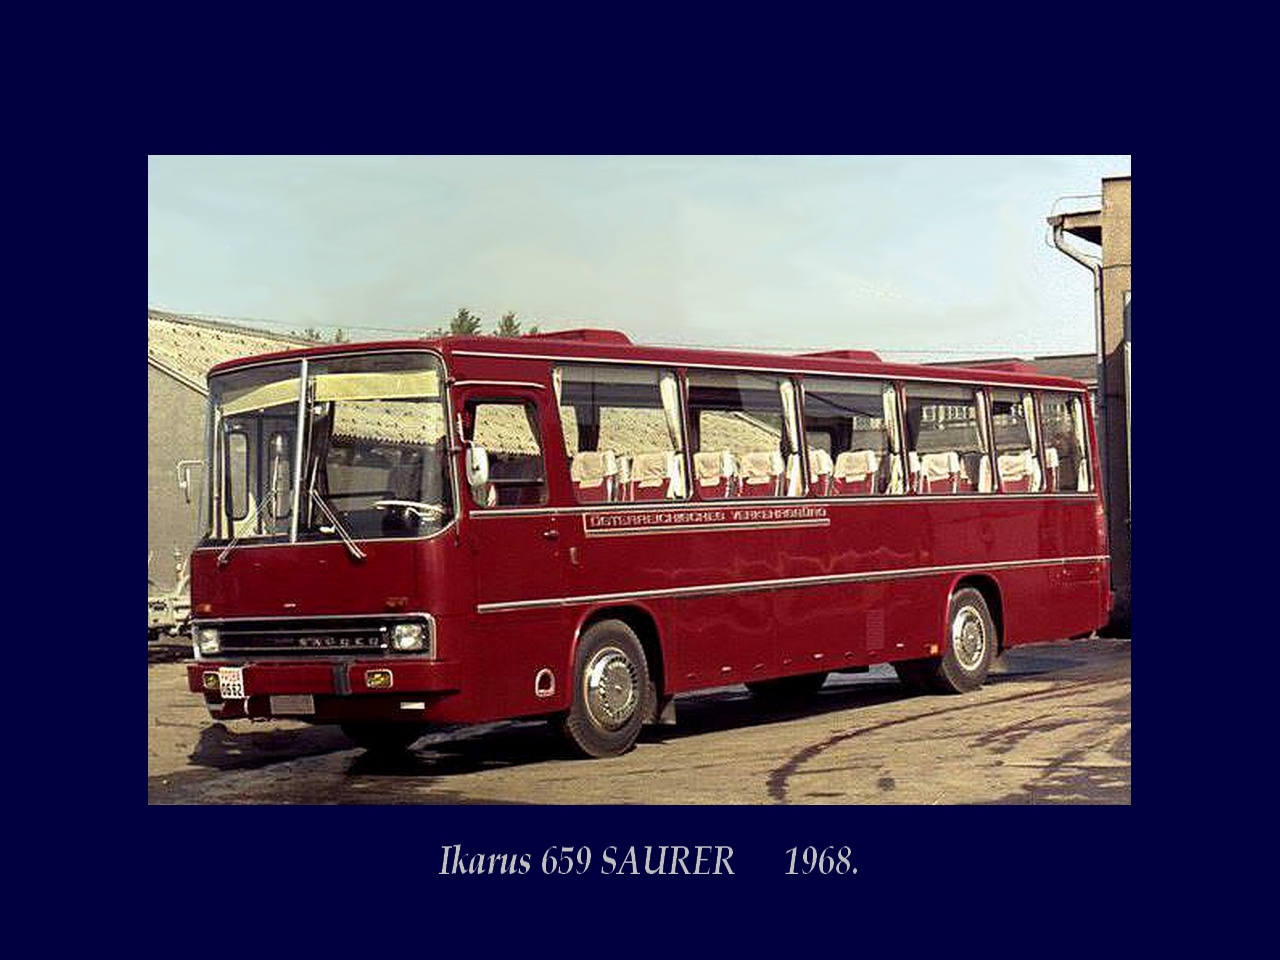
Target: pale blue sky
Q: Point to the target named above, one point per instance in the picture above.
(917, 257)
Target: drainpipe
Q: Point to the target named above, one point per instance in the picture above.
(1094, 266)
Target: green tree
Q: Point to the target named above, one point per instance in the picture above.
(465, 323)
(508, 326)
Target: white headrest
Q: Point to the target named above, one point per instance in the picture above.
(1016, 466)
(856, 464)
(593, 466)
(651, 468)
(761, 465)
(710, 466)
(939, 466)
(820, 464)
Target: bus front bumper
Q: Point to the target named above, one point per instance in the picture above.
(324, 691)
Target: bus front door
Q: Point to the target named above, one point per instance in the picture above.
(522, 632)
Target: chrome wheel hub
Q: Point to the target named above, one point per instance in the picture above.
(969, 638)
(611, 687)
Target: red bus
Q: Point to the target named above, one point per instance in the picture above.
(571, 526)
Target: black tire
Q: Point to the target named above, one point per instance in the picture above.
(787, 689)
(970, 644)
(383, 738)
(914, 674)
(613, 694)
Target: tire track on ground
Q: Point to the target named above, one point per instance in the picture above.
(777, 780)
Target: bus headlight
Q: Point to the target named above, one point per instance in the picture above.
(409, 636)
(207, 641)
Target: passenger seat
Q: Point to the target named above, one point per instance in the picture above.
(855, 472)
(820, 470)
(761, 474)
(939, 472)
(654, 476)
(1019, 472)
(594, 474)
(1051, 468)
(715, 472)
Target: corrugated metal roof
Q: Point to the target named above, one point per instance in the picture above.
(1077, 366)
(187, 347)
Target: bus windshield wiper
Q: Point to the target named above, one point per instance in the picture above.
(248, 524)
(351, 545)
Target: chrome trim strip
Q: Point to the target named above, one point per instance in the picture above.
(698, 527)
(777, 584)
(293, 617)
(385, 617)
(690, 505)
(767, 369)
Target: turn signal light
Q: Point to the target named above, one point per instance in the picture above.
(377, 679)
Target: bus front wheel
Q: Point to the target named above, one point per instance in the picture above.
(612, 692)
(970, 648)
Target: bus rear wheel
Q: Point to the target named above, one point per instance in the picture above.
(970, 649)
(787, 689)
(612, 692)
(383, 738)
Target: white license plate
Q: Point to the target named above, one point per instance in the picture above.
(231, 683)
(293, 704)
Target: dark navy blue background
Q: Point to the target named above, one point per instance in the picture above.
(289, 883)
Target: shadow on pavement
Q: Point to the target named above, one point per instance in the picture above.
(510, 745)
(224, 749)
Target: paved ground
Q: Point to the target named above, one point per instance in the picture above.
(1052, 725)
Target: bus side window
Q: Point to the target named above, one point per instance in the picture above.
(946, 447)
(1066, 450)
(623, 433)
(745, 434)
(852, 440)
(1013, 421)
(508, 431)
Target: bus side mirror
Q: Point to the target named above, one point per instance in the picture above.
(477, 465)
(184, 476)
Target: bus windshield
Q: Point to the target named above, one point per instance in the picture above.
(373, 462)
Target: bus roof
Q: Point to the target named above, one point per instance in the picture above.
(610, 346)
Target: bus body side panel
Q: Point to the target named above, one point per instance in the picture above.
(901, 558)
